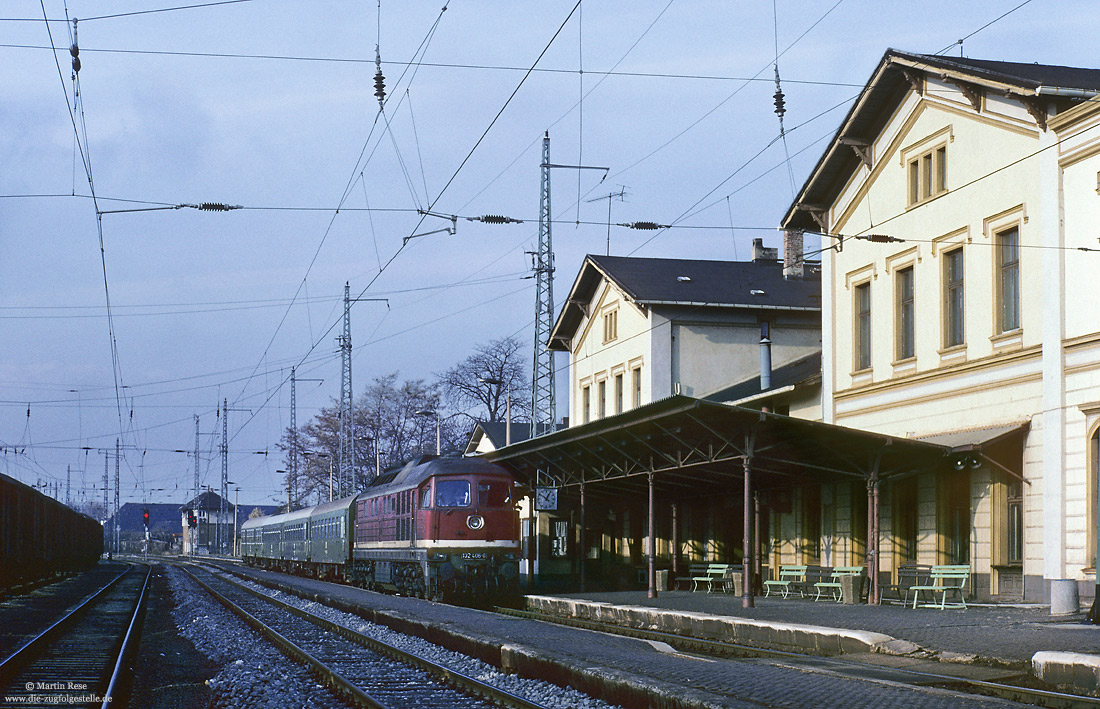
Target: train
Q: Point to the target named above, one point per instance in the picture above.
(438, 528)
(41, 537)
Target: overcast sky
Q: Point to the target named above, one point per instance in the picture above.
(269, 104)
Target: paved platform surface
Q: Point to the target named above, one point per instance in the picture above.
(1004, 634)
(635, 673)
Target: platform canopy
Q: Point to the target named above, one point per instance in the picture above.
(691, 445)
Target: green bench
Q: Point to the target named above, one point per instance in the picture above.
(832, 586)
(904, 577)
(715, 573)
(943, 580)
(788, 576)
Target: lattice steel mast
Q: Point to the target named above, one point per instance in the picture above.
(346, 451)
(543, 409)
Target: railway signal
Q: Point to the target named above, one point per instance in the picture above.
(145, 517)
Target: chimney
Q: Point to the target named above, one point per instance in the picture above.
(762, 253)
(792, 253)
(765, 363)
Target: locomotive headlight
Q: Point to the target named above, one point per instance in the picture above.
(475, 522)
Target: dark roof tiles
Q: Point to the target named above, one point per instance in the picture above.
(693, 281)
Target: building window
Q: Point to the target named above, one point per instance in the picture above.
(905, 346)
(619, 393)
(928, 175)
(1092, 494)
(953, 332)
(863, 326)
(586, 404)
(610, 326)
(636, 387)
(602, 398)
(1008, 292)
(1016, 522)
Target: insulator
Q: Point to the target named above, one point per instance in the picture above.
(881, 238)
(214, 207)
(380, 86)
(497, 219)
(76, 64)
(74, 50)
(780, 107)
(645, 226)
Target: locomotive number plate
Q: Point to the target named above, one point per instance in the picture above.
(473, 555)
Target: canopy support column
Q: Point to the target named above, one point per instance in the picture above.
(651, 546)
(747, 561)
(872, 533)
(584, 548)
(758, 548)
(675, 540)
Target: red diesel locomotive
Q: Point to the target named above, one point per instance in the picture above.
(440, 528)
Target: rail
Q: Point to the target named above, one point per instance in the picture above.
(86, 638)
(21, 656)
(443, 674)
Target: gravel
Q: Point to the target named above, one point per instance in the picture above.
(253, 673)
(543, 693)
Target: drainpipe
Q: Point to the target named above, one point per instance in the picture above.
(765, 364)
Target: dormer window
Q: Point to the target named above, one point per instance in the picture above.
(928, 175)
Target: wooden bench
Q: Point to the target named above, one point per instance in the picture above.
(905, 577)
(788, 576)
(715, 573)
(943, 579)
(832, 586)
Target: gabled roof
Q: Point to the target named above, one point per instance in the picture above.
(757, 285)
(1034, 85)
(804, 370)
(206, 500)
(497, 434)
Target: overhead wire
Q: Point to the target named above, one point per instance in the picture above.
(344, 196)
(86, 159)
(997, 19)
(430, 65)
(457, 171)
(726, 100)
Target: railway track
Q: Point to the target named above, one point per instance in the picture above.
(24, 616)
(839, 665)
(80, 658)
(362, 670)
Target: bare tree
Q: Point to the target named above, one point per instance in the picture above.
(487, 379)
(386, 428)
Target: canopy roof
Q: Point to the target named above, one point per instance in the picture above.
(692, 446)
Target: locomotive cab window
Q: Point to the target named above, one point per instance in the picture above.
(492, 494)
(425, 497)
(452, 493)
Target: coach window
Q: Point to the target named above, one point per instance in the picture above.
(425, 497)
(452, 493)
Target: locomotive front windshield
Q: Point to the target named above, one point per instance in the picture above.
(452, 493)
(492, 493)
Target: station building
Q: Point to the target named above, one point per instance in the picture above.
(929, 394)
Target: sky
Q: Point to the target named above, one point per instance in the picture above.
(270, 105)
